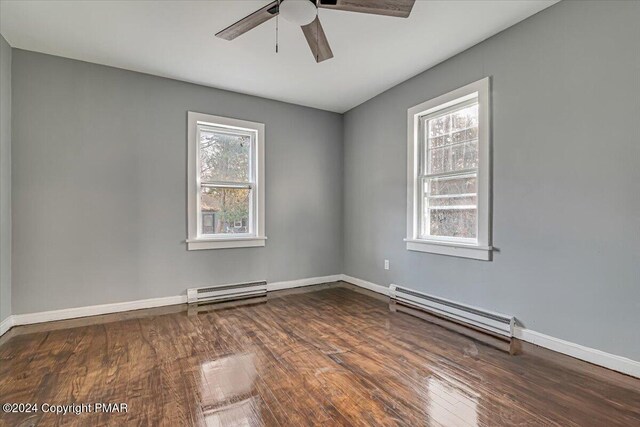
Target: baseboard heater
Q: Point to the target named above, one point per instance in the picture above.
(226, 292)
(485, 320)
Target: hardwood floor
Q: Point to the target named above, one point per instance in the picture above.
(327, 357)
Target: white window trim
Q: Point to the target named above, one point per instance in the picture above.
(257, 236)
(481, 250)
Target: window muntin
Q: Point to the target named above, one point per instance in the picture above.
(448, 173)
(226, 181)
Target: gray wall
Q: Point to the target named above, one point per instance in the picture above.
(99, 182)
(5, 179)
(566, 105)
(99, 187)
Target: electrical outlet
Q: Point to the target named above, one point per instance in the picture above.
(386, 264)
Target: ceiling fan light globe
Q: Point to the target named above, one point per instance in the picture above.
(300, 12)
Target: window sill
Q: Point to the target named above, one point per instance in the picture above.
(225, 243)
(483, 253)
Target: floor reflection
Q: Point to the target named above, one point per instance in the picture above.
(194, 309)
(245, 413)
(450, 403)
(228, 396)
(496, 341)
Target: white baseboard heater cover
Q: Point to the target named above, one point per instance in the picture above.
(226, 292)
(496, 323)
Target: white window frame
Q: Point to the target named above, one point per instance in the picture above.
(256, 236)
(479, 248)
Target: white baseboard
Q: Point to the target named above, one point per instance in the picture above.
(366, 285)
(289, 284)
(96, 310)
(591, 355)
(6, 324)
(588, 354)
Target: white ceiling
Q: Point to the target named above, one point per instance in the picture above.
(176, 39)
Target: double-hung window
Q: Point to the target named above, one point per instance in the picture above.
(226, 182)
(448, 197)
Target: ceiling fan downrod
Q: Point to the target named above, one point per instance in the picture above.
(277, 16)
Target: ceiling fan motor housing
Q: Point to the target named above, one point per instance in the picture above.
(299, 12)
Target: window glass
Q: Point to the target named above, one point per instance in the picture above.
(224, 156)
(225, 210)
(450, 202)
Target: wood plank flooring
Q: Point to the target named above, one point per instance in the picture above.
(330, 356)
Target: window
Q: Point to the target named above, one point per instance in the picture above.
(448, 197)
(226, 182)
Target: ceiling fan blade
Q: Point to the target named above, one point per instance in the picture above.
(249, 22)
(398, 8)
(314, 33)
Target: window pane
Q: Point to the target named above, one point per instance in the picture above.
(224, 156)
(458, 126)
(225, 210)
(450, 206)
(453, 158)
(453, 141)
(464, 118)
(439, 126)
(452, 185)
(453, 222)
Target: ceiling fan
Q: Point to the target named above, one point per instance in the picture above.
(305, 14)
